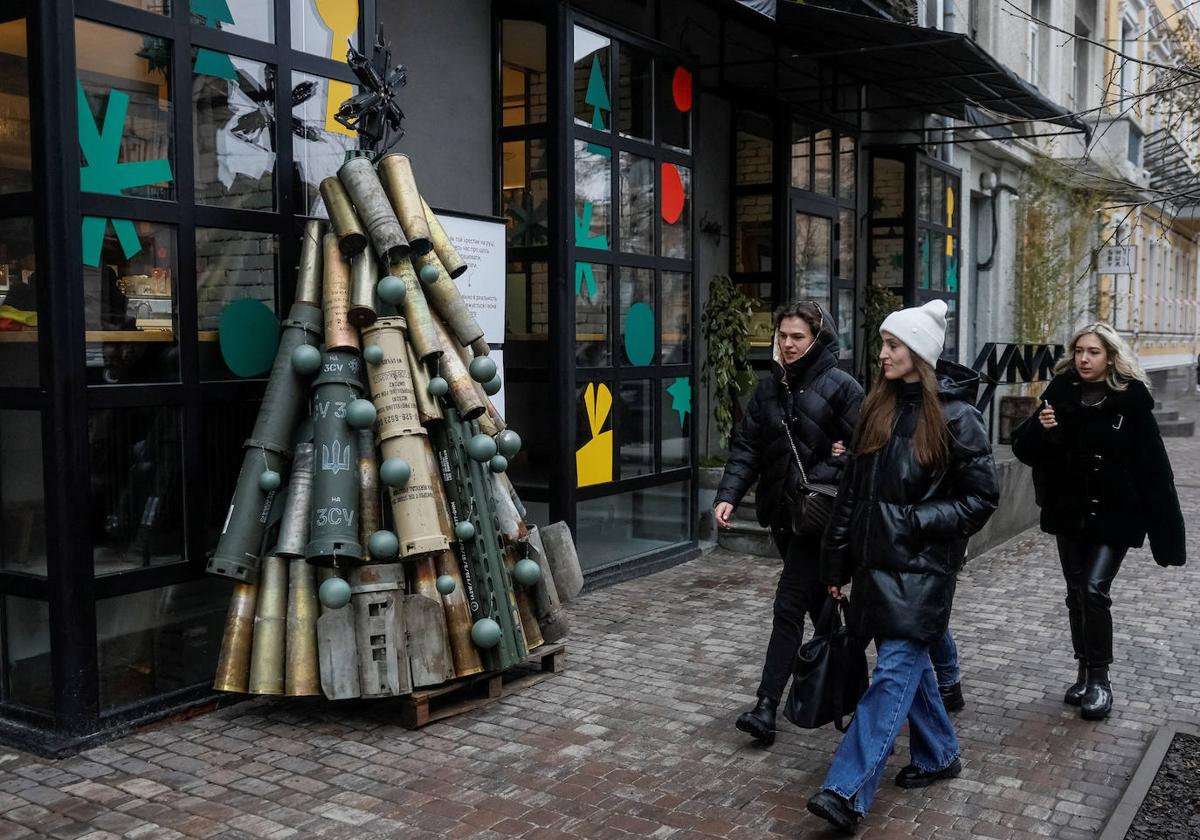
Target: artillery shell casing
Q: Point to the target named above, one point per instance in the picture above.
(418, 316)
(480, 347)
(351, 237)
(308, 277)
(302, 672)
(458, 618)
(414, 509)
(370, 510)
(293, 527)
(340, 334)
(442, 245)
(270, 628)
(446, 300)
(429, 408)
(364, 274)
(391, 380)
(533, 633)
(233, 663)
(423, 578)
(395, 171)
(333, 526)
(374, 210)
(463, 392)
(496, 417)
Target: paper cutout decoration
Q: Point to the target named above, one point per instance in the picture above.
(102, 174)
(594, 460)
(209, 63)
(673, 196)
(583, 230)
(949, 220)
(584, 273)
(952, 274)
(681, 396)
(597, 94)
(681, 90)
(248, 333)
(639, 334)
(341, 16)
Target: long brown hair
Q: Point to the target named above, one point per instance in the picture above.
(876, 421)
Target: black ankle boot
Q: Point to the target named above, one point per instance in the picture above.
(1074, 695)
(952, 697)
(1098, 696)
(760, 721)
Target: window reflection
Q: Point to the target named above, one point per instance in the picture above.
(813, 263)
(593, 195)
(233, 129)
(248, 18)
(526, 192)
(320, 143)
(591, 316)
(754, 156)
(636, 94)
(523, 72)
(22, 497)
(635, 428)
(676, 317)
(676, 205)
(230, 265)
(637, 203)
(18, 304)
(16, 165)
(593, 107)
(322, 27)
(620, 527)
(27, 681)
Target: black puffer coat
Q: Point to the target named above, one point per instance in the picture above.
(824, 404)
(901, 531)
(1102, 475)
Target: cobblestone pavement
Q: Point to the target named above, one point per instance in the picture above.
(636, 739)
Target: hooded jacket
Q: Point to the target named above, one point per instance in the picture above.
(900, 531)
(822, 401)
(1103, 476)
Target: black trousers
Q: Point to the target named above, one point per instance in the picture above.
(798, 593)
(1089, 570)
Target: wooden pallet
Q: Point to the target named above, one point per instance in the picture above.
(425, 705)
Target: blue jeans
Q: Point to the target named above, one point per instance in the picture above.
(902, 686)
(944, 654)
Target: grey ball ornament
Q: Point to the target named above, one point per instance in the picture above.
(482, 369)
(429, 274)
(395, 472)
(481, 448)
(509, 443)
(485, 633)
(445, 584)
(464, 530)
(391, 290)
(383, 546)
(527, 572)
(334, 594)
(360, 414)
(438, 386)
(492, 386)
(498, 464)
(306, 360)
(269, 480)
(373, 354)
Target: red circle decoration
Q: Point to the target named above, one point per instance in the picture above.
(672, 194)
(681, 89)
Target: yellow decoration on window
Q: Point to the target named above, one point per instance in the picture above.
(949, 219)
(341, 16)
(594, 460)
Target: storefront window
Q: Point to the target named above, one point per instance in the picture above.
(591, 316)
(846, 323)
(319, 142)
(129, 309)
(635, 100)
(753, 159)
(637, 203)
(625, 525)
(530, 405)
(887, 188)
(813, 263)
(233, 135)
(754, 237)
(248, 18)
(635, 428)
(323, 27)
(823, 162)
(125, 81)
(160, 640)
(27, 675)
(924, 261)
(593, 106)
(523, 76)
(674, 106)
(231, 265)
(158, 7)
(224, 429)
(22, 497)
(136, 488)
(18, 304)
(676, 317)
(593, 195)
(801, 157)
(675, 422)
(637, 315)
(16, 166)
(846, 244)
(676, 206)
(847, 168)
(526, 192)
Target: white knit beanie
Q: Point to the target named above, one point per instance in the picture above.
(921, 328)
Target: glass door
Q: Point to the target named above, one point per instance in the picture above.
(812, 257)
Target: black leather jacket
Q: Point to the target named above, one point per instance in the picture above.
(899, 531)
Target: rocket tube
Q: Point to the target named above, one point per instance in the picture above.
(446, 300)
(417, 314)
(462, 386)
(333, 526)
(302, 672)
(340, 334)
(293, 528)
(270, 628)
(308, 278)
(240, 543)
(374, 210)
(395, 171)
(364, 274)
(442, 245)
(233, 664)
(458, 618)
(346, 227)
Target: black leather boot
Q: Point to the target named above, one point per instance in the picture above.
(760, 721)
(1098, 696)
(837, 811)
(1074, 695)
(952, 697)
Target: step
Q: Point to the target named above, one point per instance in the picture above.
(748, 538)
(1165, 416)
(1177, 428)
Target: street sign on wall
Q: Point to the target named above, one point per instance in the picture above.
(1117, 259)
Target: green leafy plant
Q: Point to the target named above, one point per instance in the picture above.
(880, 302)
(726, 372)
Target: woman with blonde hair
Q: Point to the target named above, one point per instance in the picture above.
(1103, 480)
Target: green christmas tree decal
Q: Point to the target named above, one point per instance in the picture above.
(585, 239)
(597, 97)
(209, 63)
(681, 397)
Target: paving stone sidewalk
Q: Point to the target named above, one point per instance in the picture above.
(636, 738)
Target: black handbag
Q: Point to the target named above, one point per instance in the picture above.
(830, 673)
(809, 511)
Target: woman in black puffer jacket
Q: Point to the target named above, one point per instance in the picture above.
(820, 403)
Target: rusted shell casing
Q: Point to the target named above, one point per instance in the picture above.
(270, 628)
(442, 245)
(348, 230)
(391, 380)
(370, 510)
(308, 276)
(463, 391)
(395, 171)
(302, 673)
(233, 663)
(446, 300)
(458, 618)
(417, 314)
(480, 347)
(374, 210)
(429, 409)
(414, 509)
(293, 527)
(340, 334)
(364, 274)
(533, 633)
